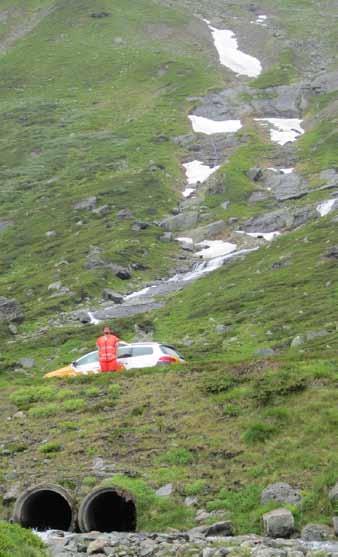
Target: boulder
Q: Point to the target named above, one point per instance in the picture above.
(297, 341)
(281, 493)
(316, 532)
(97, 547)
(224, 528)
(123, 274)
(108, 294)
(87, 204)
(190, 501)
(26, 363)
(278, 523)
(333, 493)
(10, 310)
(255, 174)
(83, 317)
(165, 490)
(285, 186)
(280, 219)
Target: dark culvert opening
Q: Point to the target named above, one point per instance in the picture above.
(45, 509)
(108, 510)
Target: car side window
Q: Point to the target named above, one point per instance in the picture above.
(124, 352)
(88, 359)
(170, 351)
(142, 350)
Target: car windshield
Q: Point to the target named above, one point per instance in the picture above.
(91, 358)
(170, 351)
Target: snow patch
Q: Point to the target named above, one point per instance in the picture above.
(209, 127)
(184, 240)
(282, 170)
(214, 248)
(325, 207)
(197, 171)
(283, 130)
(268, 236)
(229, 54)
(187, 192)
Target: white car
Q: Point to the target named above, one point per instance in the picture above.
(132, 356)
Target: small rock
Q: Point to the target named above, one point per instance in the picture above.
(87, 204)
(55, 285)
(108, 294)
(190, 501)
(97, 546)
(102, 211)
(13, 329)
(165, 491)
(264, 352)
(26, 363)
(19, 415)
(51, 234)
(333, 493)
(278, 523)
(281, 492)
(220, 329)
(316, 532)
(10, 310)
(123, 274)
(225, 204)
(124, 214)
(297, 341)
(224, 528)
(335, 525)
(83, 317)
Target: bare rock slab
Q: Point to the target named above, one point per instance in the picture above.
(278, 523)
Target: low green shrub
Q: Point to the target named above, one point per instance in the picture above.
(51, 409)
(24, 397)
(73, 405)
(258, 433)
(19, 542)
(179, 456)
(51, 447)
(275, 384)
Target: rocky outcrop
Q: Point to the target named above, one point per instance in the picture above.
(10, 310)
(281, 219)
(281, 492)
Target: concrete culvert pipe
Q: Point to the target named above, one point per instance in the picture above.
(45, 507)
(108, 509)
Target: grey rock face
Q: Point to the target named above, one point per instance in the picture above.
(282, 493)
(10, 310)
(87, 204)
(285, 186)
(325, 83)
(316, 532)
(183, 221)
(109, 294)
(280, 219)
(208, 231)
(278, 523)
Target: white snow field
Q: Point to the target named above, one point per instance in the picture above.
(283, 130)
(229, 54)
(209, 127)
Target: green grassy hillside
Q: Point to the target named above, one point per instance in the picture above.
(93, 94)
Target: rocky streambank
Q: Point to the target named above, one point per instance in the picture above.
(210, 541)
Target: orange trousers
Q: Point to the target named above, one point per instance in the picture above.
(111, 365)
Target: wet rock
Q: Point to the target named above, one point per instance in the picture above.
(108, 294)
(278, 523)
(26, 363)
(10, 310)
(333, 493)
(87, 204)
(165, 491)
(282, 493)
(316, 532)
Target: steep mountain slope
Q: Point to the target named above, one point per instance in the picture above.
(96, 98)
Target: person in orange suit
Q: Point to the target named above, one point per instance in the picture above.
(107, 345)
